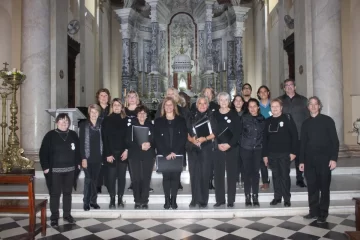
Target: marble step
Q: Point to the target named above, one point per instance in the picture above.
(183, 211)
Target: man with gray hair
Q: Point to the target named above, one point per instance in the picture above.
(318, 156)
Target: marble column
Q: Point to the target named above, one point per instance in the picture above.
(327, 59)
(239, 72)
(154, 47)
(201, 57)
(355, 47)
(208, 33)
(134, 68)
(125, 58)
(35, 63)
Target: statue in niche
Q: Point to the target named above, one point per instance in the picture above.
(182, 83)
(189, 51)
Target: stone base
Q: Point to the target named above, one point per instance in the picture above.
(353, 150)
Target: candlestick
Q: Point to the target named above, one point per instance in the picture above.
(224, 66)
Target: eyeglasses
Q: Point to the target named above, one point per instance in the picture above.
(289, 85)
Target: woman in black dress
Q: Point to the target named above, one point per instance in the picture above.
(141, 158)
(200, 150)
(115, 151)
(170, 139)
(227, 151)
(251, 142)
(91, 149)
(60, 159)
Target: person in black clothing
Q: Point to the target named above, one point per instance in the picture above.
(91, 149)
(246, 90)
(238, 106)
(296, 105)
(141, 159)
(200, 150)
(170, 139)
(60, 158)
(279, 149)
(103, 100)
(210, 94)
(115, 151)
(251, 140)
(227, 151)
(318, 156)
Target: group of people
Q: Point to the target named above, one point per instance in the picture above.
(246, 136)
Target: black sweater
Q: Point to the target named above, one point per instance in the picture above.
(164, 144)
(94, 142)
(229, 120)
(114, 133)
(319, 138)
(280, 135)
(57, 153)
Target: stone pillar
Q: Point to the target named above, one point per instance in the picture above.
(134, 67)
(208, 33)
(327, 60)
(163, 52)
(35, 63)
(239, 73)
(201, 57)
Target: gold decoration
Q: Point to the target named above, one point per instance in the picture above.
(13, 158)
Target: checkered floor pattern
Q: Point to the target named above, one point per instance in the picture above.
(268, 228)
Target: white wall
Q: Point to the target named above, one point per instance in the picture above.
(89, 86)
(6, 32)
(274, 48)
(249, 49)
(116, 57)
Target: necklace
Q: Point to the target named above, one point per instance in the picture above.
(63, 133)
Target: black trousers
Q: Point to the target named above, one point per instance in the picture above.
(226, 161)
(61, 183)
(91, 176)
(200, 163)
(102, 178)
(251, 160)
(116, 170)
(240, 174)
(141, 176)
(318, 178)
(279, 164)
(171, 182)
(299, 174)
(264, 172)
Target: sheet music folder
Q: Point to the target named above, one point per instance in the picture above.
(203, 129)
(225, 136)
(140, 134)
(173, 165)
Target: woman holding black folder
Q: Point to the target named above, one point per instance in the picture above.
(114, 133)
(141, 156)
(170, 138)
(200, 150)
(227, 136)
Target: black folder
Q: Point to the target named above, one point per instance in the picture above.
(172, 165)
(140, 134)
(225, 136)
(203, 129)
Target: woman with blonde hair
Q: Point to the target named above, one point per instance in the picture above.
(132, 100)
(91, 150)
(170, 139)
(115, 150)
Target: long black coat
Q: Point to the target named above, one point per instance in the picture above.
(162, 136)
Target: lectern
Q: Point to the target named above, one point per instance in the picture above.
(74, 113)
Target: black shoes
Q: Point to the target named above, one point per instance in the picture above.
(86, 207)
(98, 189)
(180, 187)
(321, 219)
(151, 190)
(54, 223)
(230, 205)
(300, 184)
(275, 202)
(130, 188)
(287, 204)
(310, 216)
(218, 204)
(211, 186)
(112, 202)
(69, 219)
(173, 203)
(202, 205)
(94, 205)
(137, 205)
(145, 206)
(167, 203)
(255, 198)
(192, 204)
(120, 201)
(248, 200)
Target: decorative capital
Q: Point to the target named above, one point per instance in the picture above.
(153, 13)
(209, 13)
(124, 14)
(239, 28)
(241, 13)
(125, 30)
(162, 27)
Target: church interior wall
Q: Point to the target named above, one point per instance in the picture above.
(105, 47)
(89, 59)
(249, 48)
(116, 53)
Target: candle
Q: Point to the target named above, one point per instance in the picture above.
(140, 65)
(224, 66)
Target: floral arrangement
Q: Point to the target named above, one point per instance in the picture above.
(11, 73)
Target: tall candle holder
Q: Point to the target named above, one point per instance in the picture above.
(13, 159)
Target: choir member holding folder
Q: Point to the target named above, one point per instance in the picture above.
(227, 136)
(201, 124)
(141, 156)
(170, 138)
(115, 150)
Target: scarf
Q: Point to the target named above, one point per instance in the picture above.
(97, 127)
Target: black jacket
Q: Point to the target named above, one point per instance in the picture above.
(114, 130)
(183, 111)
(251, 131)
(213, 106)
(230, 120)
(297, 107)
(135, 151)
(162, 136)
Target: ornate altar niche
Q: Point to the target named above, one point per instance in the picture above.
(182, 47)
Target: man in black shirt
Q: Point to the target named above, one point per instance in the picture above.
(318, 155)
(246, 93)
(295, 104)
